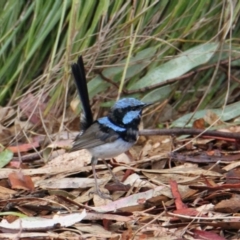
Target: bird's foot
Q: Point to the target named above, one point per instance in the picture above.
(118, 182)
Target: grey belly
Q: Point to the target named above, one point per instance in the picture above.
(109, 150)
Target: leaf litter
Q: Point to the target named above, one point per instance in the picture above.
(173, 190)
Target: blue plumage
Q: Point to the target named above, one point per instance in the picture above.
(106, 122)
(131, 115)
(127, 102)
(120, 123)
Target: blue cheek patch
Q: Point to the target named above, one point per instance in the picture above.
(130, 116)
(105, 121)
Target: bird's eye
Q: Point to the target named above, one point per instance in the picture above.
(135, 108)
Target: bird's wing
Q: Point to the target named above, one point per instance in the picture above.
(93, 137)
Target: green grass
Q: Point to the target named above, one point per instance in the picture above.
(134, 46)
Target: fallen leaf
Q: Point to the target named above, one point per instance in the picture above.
(114, 217)
(135, 180)
(20, 181)
(186, 169)
(5, 157)
(231, 205)
(231, 166)
(70, 183)
(199, 123)
(32, 235)
(31, 106)
(187, 212)
(40, 223)
(97, 230)
(207, 235)
(165, 178)
(213, 119)
(233, 176)
(122, 158)
(73, 162)
(6, 193)
(206, 208)
(129, 201)
(177, 196)
(24, 147)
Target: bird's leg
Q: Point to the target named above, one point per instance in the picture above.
(110, 170)
(97, 191)
(113, 175)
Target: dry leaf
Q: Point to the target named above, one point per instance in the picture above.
(6, 193)
(132, 200)
(24, 147)
(20, 181)
(39, 223)
(70, 183)
(213, 119)
(199, 123)
(135, 180)
(231, 205)
(31, 106)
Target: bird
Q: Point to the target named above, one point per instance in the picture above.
(110, 135)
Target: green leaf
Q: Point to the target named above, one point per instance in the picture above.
(96, 85)
(5, 157)
(138, 63)
(158, 94)
(178, 66)
(228, 52)
(230, 111)
(17, 214)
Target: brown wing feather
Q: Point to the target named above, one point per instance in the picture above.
(93, 137)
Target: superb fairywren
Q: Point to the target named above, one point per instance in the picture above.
(111, 135)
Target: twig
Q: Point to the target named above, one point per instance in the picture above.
(188, 131)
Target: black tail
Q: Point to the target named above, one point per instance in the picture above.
(81, 84)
